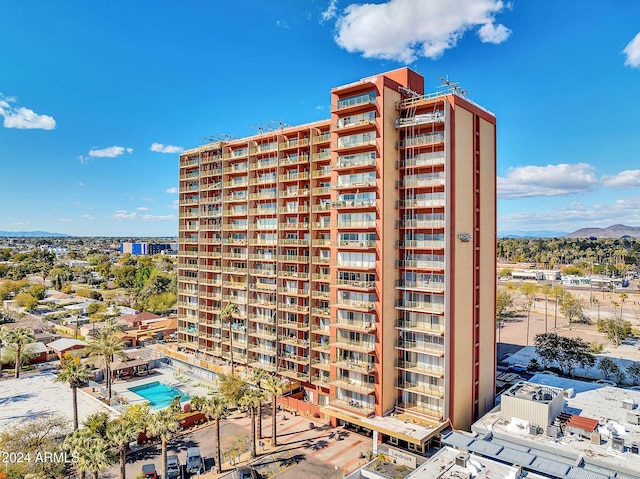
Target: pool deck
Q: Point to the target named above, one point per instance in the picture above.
(193, 387)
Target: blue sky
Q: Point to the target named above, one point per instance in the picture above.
(97, 99)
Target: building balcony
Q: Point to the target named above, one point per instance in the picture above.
(320, 380)
(321, 277)
(294, 274)
(211, 200)
(263, 195)
(293, 291)
(264, 258)
(356, 224)
(422, 264)
(424, 348)
(268, 273)
(322, 138)
(298, 308)
(355, 244)
(240, 256)
(415, 367)
(263, 211)
(356, 284)
(361, 326)
(263, 180)
(361, 367)
(263, 164)
(321, 190)
(414, 408)
(320, 347)
(294, 193)
(320, 294)
(294, 143)
(293, 242)
(322, 312)
(294, 226)
(422, 244)
(349, 184)
(420, 306)
(321, 259)
(356, 304)
(294, 176)
(322, 155)
(423, 389)
(353, 204)
(186, 162)
(354, 405)
(426, 160)
(358, 265)
(322, 225)
(260, 318)
(235, 241)
(367, 347)
(290, 258)
(420, 285)
(258, 286)
(350, 385)
(294, 159)
(292, 372)
(234, 198)
(236, 168)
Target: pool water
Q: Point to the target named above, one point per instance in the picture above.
(159, 394)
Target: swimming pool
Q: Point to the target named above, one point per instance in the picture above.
(159, 394)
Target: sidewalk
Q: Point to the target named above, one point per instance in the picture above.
(335, 447)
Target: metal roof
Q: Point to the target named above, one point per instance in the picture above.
(547, 466)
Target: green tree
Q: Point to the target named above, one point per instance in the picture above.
(609, 368)
(119, 434)
(3, 343)
(227, 314)
(26, 301)
(33, 436)
(19, 338)
(216, 408)
(97, 423)
(633, 371)
(273, 386)
(252, 399)
(232, 388)
(91, 451)
(504, 302)
(163, 424)
(256, 377)
(73, 372)
(616, 329)
(573, 309)
(38, 291)
(103, 348)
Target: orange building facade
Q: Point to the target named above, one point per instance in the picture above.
(359, 250)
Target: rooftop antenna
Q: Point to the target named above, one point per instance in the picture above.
(453, 86)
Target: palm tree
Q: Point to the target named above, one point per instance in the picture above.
(273, 387)
(89, 450)
(20, 337)
(163, 424)
(119, 434)
(252, 399)
(104, 347)
(230, 310)
(216, 408)
(75, 373)
(3, 338)
(256, 377)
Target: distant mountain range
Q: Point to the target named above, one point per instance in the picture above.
(32, 234)
(531, 234)
(615, 231)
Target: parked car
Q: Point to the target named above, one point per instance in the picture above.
(173, 467)
(606, 382)
(195, 462)
(246, 473)
(517, 368)
(149, 470)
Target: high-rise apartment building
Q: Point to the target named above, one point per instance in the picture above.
(360, 251)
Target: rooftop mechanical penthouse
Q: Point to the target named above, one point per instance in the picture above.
(360, 251)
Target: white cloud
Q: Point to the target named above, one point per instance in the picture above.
(160, 148)
(20, 223)
(88, 217)
(23, 118)
(632, 51)
(109, 152)
(174, 205)
(80, 183)
(330, 12)
(550, 180)
(404, 30)
(143, 208)
(282, 24)
(65, 220)
(490, 33)
(133, 216)
(575, 215)
(172, 190)
(624, 179)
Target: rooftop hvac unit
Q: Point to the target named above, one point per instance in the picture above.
(461, 460)
(553, 431)
(628, 404)
(533, 429)
(595, 438)
(617, 443)
(635, 448)
(633, 418)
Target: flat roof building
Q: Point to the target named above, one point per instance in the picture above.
(360, 251)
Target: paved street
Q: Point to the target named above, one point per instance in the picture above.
(303, 452)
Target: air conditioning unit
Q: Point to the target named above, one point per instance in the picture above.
(633, 418)
(635, 448)
(628, 404)
(595, 438)
(461, 459)
(553, 431)
(533, 429)
(617, 443)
